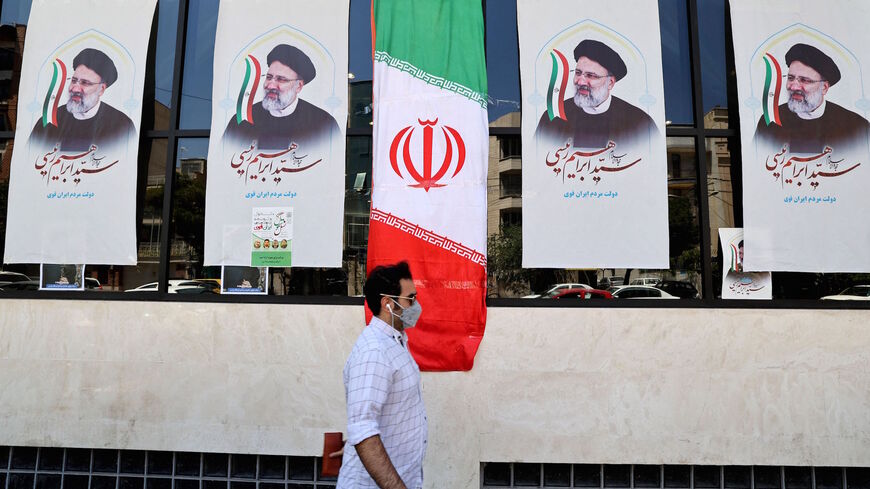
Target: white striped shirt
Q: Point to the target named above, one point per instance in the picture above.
(384, 397)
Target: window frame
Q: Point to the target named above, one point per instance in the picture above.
(698, 132)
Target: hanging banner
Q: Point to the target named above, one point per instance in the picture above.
(72, 186)
(736, 282)
(279, 114)
(594, 161)
(429, 172)
(804, 132)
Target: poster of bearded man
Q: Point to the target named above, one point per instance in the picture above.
(593, 119)
(805, 134)
(72, 187)
(279, 114)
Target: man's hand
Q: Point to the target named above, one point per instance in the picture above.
(374, 457)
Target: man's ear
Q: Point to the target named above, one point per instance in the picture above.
(825, 86)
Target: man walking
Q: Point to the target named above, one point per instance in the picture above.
(386, 419)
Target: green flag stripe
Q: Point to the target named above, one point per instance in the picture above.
(551, 111)
(239, 105)
(444, 38)
(767, 79)
(47, 106)
(406, 67)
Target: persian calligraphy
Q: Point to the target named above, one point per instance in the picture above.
(578, 165)
(797, 170)
(258, 166)
(744, 285)
(59, 167)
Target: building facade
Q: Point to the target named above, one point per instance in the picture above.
(108, 388)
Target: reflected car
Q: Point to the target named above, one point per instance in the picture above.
(639, 292)
(13, 277)
(683, 290)
(93, 284)
(853, 293)
(22, 285)
(177, 287)
(555, 290)
(584, 294)
(645, 281)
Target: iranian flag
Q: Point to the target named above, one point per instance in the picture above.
(558, 84)
(245, 103)
(55, 90)
(772, 89)
(429, 170)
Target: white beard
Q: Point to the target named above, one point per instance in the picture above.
(810, 102)
(596, 96)
(276, 104)
(88, 102)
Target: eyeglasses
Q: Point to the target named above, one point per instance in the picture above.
(83, 83)
(411, 298)
(590, 75)
(280, 79)
(801, 79)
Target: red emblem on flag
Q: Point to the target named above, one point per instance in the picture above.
(426, 179)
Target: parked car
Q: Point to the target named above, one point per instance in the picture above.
(93, 284)
(13, 277)
(853, 293)
(584, 294)
(683, 290)
(177, 287)
(22, 285)
(556, 289)
(645, 281)
(617, 281)
(640, 292)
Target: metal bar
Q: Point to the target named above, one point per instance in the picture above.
(165, 238)
(700, 153)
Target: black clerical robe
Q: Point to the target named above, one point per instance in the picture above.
(622, 123)
(839, 128)
(308, 126)
(107, 128)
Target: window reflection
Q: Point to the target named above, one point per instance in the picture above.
(676, 62)
(711, 27)
(164, 61)
(188, 216)
(11, 48)
(15, 12)
(502, 58)
(198, 64)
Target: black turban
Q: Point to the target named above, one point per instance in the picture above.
(602, 54)
(99, 62)
(816, 60)
(293, 58)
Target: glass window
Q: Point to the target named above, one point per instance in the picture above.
(149, 208)
(5, 159)
(12, 31)
(188, 219)
(502, 61)
(711, 29)
(164, 62)
(15, 12)
(198, 64)
(676, 62)
(360, 65)
(149, 211)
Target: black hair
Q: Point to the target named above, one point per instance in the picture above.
(384, 280)
(740, 244)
